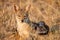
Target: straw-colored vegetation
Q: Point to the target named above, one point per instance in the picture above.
(13, 11)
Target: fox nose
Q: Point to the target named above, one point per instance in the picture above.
(26, 20)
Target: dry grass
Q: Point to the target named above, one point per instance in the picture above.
(13, 11)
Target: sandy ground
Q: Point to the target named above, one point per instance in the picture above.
(12, 12)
